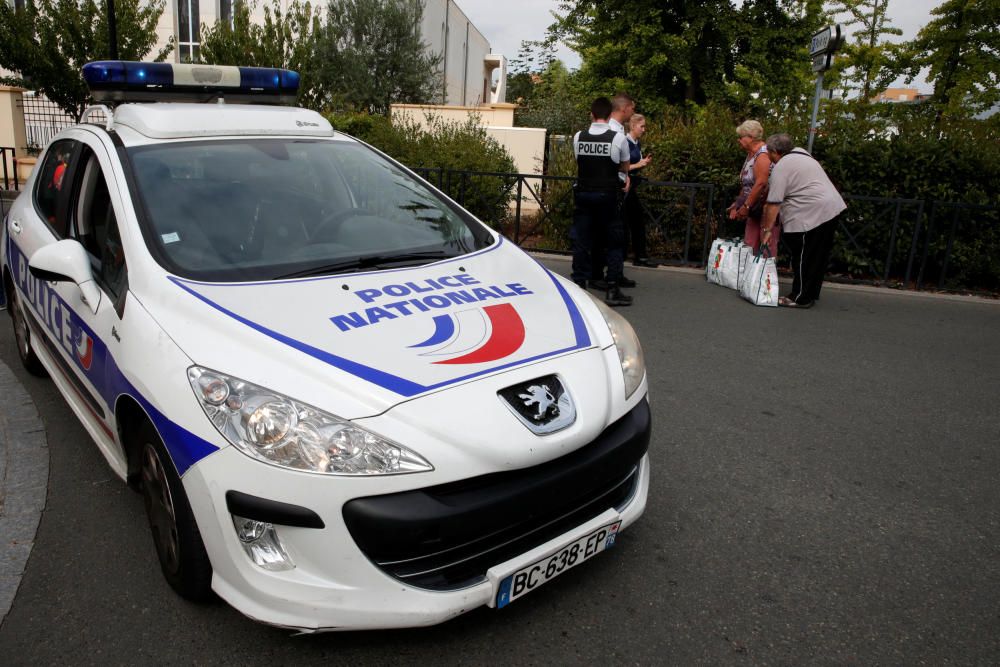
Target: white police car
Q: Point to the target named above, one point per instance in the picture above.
(348, 403)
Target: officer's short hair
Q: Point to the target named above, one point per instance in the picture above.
(601, 108)
(621, 100)
(780, 143)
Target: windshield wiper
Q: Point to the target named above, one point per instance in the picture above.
(368, 262)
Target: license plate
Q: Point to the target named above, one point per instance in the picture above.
(532, 576)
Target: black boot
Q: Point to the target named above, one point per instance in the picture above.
(614, 296)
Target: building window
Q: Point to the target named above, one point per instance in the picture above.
(187, 30)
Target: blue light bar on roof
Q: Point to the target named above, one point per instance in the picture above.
(127, 81)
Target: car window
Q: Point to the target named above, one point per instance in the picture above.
(258, 209)
(95, 225)
(49, 184)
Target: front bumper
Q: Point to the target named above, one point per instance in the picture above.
(411, 557)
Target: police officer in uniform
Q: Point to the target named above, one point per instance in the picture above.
(601, 154)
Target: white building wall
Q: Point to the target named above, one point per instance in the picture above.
(466, 70)
(448, 31)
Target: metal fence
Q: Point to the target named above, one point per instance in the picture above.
(961, 247)
(881, 240)
(9, 162)
(43, 119)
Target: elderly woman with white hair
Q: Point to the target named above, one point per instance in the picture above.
(749, 203)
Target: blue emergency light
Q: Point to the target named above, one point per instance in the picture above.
(128, 81)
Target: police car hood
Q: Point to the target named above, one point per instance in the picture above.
(368, 341)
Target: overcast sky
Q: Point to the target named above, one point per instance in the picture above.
(505, 23)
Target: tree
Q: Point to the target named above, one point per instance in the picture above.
(525, 68)
(370, 54)
(46, 43)
(867, 61)
(670, 51)
(961, 46)
(773, 70)
(284, 39)
(555, 102)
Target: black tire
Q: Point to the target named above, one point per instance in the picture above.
(22, 336)
(176, 537)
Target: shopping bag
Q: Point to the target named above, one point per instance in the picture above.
(733, 265)
(759, 285)
(717, 258)
(746, 258)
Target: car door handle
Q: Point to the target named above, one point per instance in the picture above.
(15, 226)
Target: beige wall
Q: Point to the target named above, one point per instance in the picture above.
(526, 145)
(490, 114)
(12, 134)
(897, 95)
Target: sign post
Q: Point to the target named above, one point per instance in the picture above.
(822, 47)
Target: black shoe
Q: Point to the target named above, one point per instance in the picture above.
(644, 261)
(599, 285)
(582, 284)
(626, 282)
(614, 297)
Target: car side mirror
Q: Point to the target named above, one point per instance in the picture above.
(67, 261)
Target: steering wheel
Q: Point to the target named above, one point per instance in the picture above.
(330, 224)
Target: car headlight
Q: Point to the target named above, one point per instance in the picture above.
(627, 344)
(276, 429)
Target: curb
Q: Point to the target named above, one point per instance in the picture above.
(24, 474)
(827, 284)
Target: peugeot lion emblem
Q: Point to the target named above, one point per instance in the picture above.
(542, 404)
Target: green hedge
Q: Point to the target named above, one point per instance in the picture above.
(439, 149)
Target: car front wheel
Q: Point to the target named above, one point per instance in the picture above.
(178, 542)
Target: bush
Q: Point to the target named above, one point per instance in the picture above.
(438, 150)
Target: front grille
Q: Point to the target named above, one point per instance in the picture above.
(446, 537)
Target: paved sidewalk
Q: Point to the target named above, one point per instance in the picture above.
(24, 471)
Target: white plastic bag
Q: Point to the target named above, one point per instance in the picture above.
(715, 256)
(759, 285)
(718, 259)
(734, 264)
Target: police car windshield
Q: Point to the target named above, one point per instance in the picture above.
(262, 209)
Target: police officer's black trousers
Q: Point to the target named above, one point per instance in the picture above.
(635, 224)
(595, 215)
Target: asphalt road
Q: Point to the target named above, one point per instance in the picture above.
(825, 491)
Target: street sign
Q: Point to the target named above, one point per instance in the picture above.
(821, 49)
(820, 41)
(822, 62)
(827, 40)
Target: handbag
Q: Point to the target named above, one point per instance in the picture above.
(757, 210)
